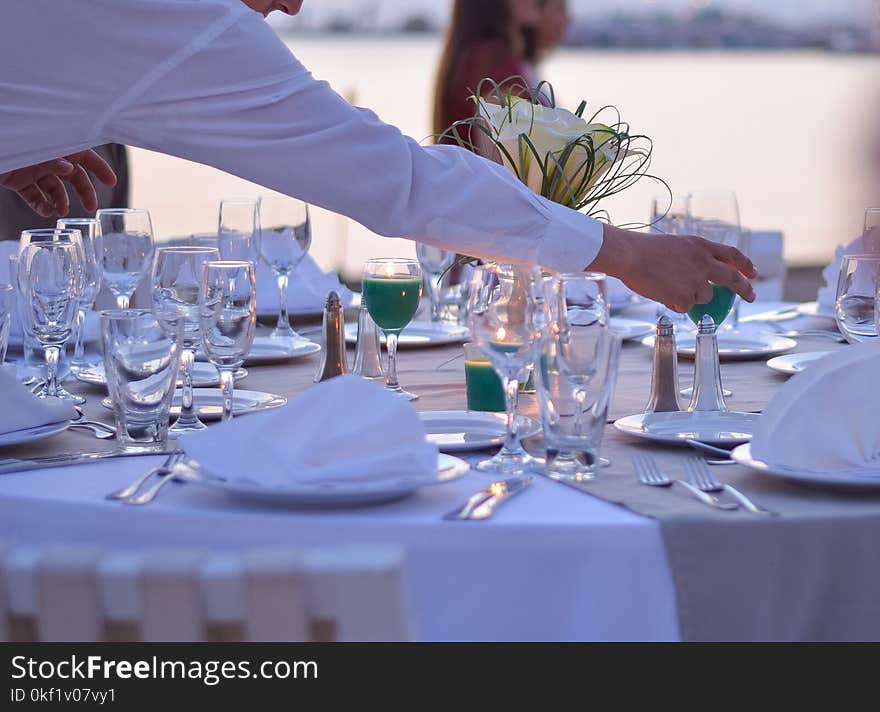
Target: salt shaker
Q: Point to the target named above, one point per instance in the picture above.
(368, 357)
(664, 381)
(333, 358)
(708, 393)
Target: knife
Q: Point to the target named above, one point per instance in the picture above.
(11, 465)
(483, 504)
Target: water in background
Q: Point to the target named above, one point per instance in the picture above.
(794, 133)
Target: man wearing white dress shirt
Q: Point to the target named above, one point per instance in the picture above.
(209, 81)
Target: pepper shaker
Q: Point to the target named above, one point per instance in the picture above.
(334, 361)
(708, 393)
(664, 381)
(368, 357)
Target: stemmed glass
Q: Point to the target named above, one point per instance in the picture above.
(392, 288)
(48, 271)
(92, 275)
(503, 326)
(128, 249)
(7, 305)
(434, 263)
(228, 314)
(855, 304)
(285, 236)
(669, 216)
(177, 278)
(237, 229)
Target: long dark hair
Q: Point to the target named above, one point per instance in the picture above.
(473, 22)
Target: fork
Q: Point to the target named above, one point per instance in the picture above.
(164, 469)
(702, 478)
(649, 473)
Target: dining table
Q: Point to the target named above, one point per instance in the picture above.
(555, 563)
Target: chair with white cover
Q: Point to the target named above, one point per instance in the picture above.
(78, 594)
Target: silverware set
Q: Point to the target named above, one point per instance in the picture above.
(133, 495)
(485, 503)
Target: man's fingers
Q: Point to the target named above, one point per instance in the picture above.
(36, 201)
(727, 276)
(53, 189)
(81, 182)
(96, 165)
(733, 257)
(704, 294)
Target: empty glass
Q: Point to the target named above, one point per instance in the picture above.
(48, 274)
(502, 319)
(228, 313)
(7, 305)
(574, 415)
(434, 262)
(285, 236)
(854, 306)
(237, 229)
(176, 279)
(142, 360)
(128, 250)
(92, 276)
(669, 216)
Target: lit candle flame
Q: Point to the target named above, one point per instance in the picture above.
(501, 334)
(389, 270)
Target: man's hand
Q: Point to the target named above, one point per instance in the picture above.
(42, 186)
(674, 270)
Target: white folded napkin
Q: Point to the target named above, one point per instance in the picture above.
(307, 290)
(343, 430)
(825, 419)
(22, 410)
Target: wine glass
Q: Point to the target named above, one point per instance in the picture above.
(502, 319)
(854, 306)
(669, 216)
(48, 272)
(92, 275)
(392, 288)
(128, 250)
(228, 314)
(434, 263)
(285, 236)
(176, 279)
(237, 229)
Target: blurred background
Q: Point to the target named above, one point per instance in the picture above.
(778, 101)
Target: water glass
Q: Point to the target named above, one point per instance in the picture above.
(669, 216)
(176, 279)
(285, 236)
(574, 415)
(33, 352)
(854, 305)
(501, 313)
(237, 229)
(92, 277)
(142, 360)
(434, 262)
(7, 306)
(454, 292)
(128, 250)
(228, 315)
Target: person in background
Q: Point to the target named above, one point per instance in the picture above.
(17, 215)
(549, 33)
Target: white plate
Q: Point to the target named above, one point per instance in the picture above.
(466, 430)
(209, 402)
(269, 350)
(813, 309)
(734, 347)
(334, 494)
(204, 375)
(863, 479)
(722, 429)
(628, 329)
(791, 364)
(30, 434)
(420, 334)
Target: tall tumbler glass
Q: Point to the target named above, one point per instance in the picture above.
(237, 229)
(92, 277)
(142, 359)
(855, 305)
(434, 262)
(7, 306)
(128, 250)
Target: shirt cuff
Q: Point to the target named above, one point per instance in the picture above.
(572, 240)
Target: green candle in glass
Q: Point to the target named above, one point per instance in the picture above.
(718, 308)
(392, 288)
(485, 391)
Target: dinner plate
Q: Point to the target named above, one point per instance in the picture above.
(813, 309)
(17, 437)
(858, 479)
(269, 350)
(209, 402)
(421, 334)
(712, 428)
(324, 495)
(734, 347)
(630, 329)
(466, 430)
(204, 375)
(791, 364)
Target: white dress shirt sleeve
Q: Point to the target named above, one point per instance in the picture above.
(241, 102)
